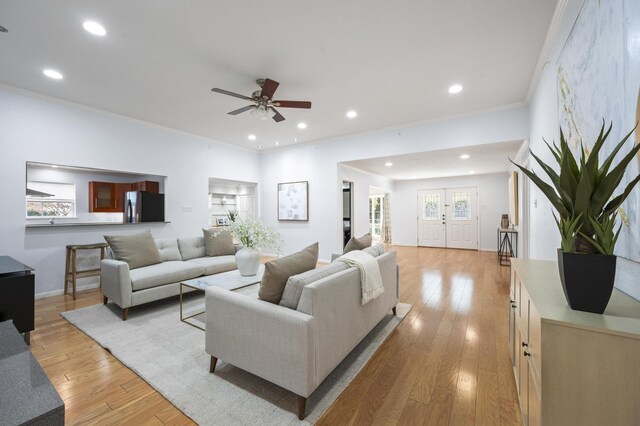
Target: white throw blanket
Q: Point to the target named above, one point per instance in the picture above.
(369, 273)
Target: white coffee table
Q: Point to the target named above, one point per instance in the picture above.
(231, 280)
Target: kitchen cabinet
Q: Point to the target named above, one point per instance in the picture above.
(571, 367)
(108, 197)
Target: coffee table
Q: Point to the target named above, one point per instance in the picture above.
(231, 280)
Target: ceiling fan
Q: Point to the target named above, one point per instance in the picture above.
(262, 101)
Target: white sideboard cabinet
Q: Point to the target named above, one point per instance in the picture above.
(572, 367)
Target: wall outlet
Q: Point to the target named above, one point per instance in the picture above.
(187, 209)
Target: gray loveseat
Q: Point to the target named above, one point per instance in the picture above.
(181, 259)
(298, 343)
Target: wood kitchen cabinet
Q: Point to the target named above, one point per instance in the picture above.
(108, 197)
(572, 367)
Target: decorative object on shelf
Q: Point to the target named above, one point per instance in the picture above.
(253, 234)
(222, 221)
(293, 201)
(504, 222)
(582, 193)
(232, 215)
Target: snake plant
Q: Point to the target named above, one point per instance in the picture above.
(582, 193)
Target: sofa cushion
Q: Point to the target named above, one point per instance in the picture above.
(168, 248)
(190, 248)
(295, 283)
(358, 243)
(218, 242)
(164, 273)
(137, 250)
(375, 251)
(215, 264)
(277, 272)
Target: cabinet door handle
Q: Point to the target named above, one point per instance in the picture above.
(525, 345)
(526, 353)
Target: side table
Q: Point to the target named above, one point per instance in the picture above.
(507, 245)
(17, 294)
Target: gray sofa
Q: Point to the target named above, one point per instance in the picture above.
(182, 259)
(296, 346)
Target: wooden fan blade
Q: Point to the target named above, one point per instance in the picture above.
(278, 117)
(235, 95)
(269, 88)
(243, 109)
(293, 104)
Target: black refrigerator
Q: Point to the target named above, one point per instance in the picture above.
(143, 206)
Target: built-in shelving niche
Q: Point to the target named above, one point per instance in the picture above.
(228, 195)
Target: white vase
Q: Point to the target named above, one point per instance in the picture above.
(248, 261)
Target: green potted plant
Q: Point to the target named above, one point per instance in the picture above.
(582, 194)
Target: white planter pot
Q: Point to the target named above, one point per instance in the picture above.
(248, 261)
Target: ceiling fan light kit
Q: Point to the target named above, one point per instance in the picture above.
(263, 105)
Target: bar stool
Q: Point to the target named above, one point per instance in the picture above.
(71, 272)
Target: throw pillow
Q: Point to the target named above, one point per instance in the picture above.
(358, 243)
(277, 272)
(218, 242)
(137, 250)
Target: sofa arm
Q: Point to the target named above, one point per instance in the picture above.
(116, 282)
(268, 340)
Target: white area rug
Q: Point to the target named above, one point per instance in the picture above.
(170, 356)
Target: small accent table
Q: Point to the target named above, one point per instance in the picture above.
(507, 245)
(231, 280)
(17, 294)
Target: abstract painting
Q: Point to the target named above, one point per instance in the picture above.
(599, 79)
(293, 201)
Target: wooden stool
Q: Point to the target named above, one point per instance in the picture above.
(71, 272)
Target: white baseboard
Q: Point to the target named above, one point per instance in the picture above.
(489, 249)
(61, 291)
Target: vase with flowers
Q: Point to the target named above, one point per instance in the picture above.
(253, 235)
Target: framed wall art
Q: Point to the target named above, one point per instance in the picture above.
(293, 201)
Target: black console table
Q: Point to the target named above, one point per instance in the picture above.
(17, 294)
(27, 397)
(507, 245)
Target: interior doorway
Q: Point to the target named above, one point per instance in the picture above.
(347, 209)
(448, 218)
(376, 216)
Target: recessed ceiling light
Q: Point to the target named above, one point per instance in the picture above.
(456, 88)
(295, 139)
(352, 114)
(302, 125)
(388, 164)
(94, 28)
(251, 137)
(259, 146)
(52, 74)
(55, 166)
(277, 143)
(464, 156)
(471, 172)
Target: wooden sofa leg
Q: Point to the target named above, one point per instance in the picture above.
(393, 310)
(125, 314)
(105, 299)
(212, 364)
(302, 405)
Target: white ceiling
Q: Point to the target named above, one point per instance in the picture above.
(392, 61)
(483, 159)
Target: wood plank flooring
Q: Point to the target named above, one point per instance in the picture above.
(447, 363)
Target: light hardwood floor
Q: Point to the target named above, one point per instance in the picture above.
(447, 362)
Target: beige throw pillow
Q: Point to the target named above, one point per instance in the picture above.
(218, 242)
(358, 243)
(277, 272)
(137, 250)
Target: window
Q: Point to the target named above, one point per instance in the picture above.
(461, 206)
(375, 216)
(49, 199)
(431, 207)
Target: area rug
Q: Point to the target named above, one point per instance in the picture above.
(169, 355)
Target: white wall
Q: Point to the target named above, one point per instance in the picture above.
(34, 128)
(543, 117)
(317, 162)
(493, 199)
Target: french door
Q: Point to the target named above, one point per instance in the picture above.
(448, 218)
